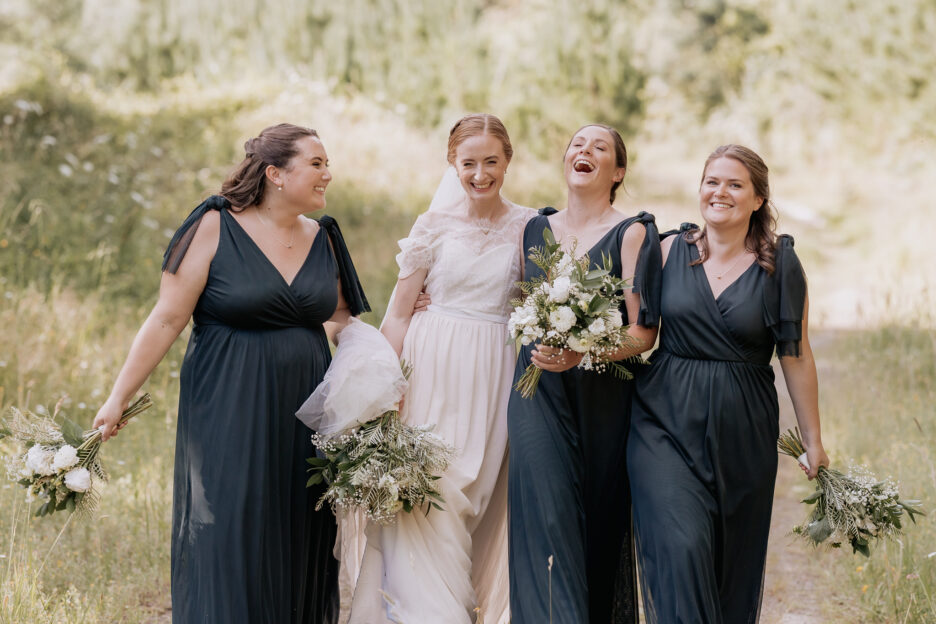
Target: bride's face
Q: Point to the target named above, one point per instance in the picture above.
(481, 165)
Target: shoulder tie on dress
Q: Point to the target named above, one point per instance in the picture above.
(784, 298)
(350, 284)
(648, 274)
(181, 240)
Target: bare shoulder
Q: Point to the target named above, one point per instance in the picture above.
(309, 225)
(197, 258)
(205, 240)
(666, 245)
(635, 232)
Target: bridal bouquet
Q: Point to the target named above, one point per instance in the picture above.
(853, 506)
(369, 458)
(61, 462)
(571, 307)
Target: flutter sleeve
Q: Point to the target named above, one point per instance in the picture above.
(416, 249)
(785, 299)
(181, 240)
(648, 274)
(350, 284)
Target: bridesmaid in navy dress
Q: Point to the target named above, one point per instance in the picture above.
(702, 451)
(571, 550)
(264, 285)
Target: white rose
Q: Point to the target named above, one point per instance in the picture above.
(565, 265)
(614, 319)
(576, 345)
(78, 480)
(65, 457)
(39, 460)
(597, 327)
(559, 292)
(562, 319)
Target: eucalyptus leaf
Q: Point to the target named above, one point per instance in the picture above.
(72, 432)
(819, 530)
(548, 236)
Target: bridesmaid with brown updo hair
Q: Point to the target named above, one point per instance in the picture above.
(265, 287)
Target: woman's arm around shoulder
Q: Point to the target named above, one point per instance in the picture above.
(178, 294)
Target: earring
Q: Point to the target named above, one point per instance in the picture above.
(279, 187)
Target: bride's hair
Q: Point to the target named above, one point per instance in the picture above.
(474, 125)
(620, 151)
(275, 145)
(761, 236)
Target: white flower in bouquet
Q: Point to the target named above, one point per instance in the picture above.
(597, 327)
(61, 463)
(39, 460)
(78, 480)
(614, 318)
(559, 291)
(65, 458)
(562, 319)
(565, 266)
(580, 343)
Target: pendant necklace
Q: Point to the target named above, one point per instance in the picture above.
(292, 232)
(733, 265)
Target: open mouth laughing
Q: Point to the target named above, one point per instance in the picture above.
(582, 166)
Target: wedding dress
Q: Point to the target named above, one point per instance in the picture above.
(451, 566)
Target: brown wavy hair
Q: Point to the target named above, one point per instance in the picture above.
(620, 151)
(477, 124)
(761, 236)
(275, 145)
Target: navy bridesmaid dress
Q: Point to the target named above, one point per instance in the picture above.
(702, 450)
(568, 488)
(247, 544)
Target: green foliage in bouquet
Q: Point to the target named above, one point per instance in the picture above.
(61, 461)
(855, 506)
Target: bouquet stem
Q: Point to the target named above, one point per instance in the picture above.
(92, 439)
(528, 382)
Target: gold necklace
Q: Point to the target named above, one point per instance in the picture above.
(733, 265)
(292, 232)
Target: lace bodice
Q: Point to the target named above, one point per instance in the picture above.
(473, 264)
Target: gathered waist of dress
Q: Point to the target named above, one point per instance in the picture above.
(473, 315)
(662, 351)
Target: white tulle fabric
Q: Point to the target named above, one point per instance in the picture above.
(341, 401)
(451, 566)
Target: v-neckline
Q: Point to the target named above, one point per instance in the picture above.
(704, 277)
(257, 248)
(598, 242)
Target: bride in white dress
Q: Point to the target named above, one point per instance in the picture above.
(451, 566)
